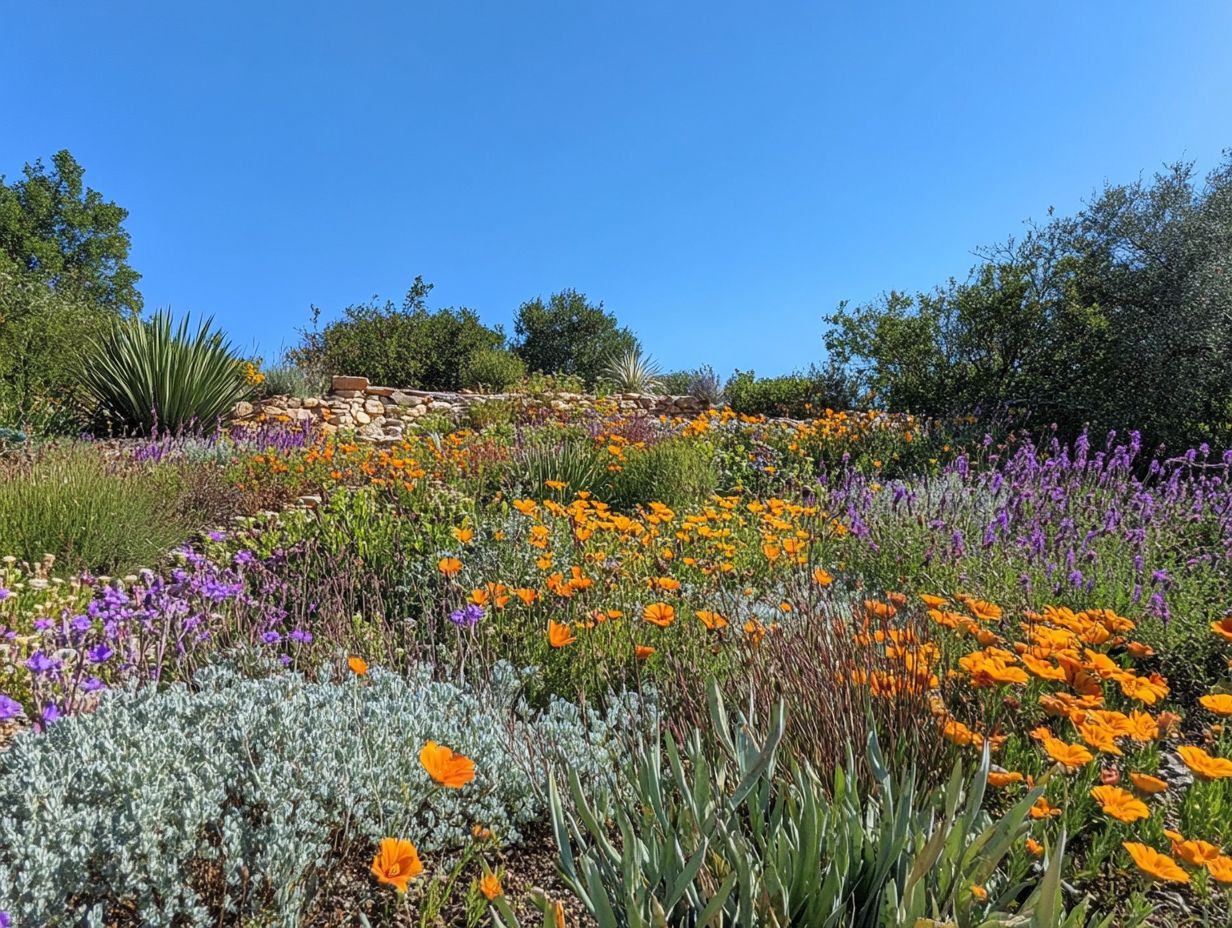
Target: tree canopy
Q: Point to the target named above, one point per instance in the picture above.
(569, 335)
(57, 230)
(1117, 317)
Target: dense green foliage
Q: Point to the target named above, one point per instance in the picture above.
(143, 376)
(798, 396)
(493, 369)
(569, 335)
(53, 226)
(44, 334)
(92, 514)
(712, 832)
(407, 346)
(64, 276)
(703, 382)
(1119, 316)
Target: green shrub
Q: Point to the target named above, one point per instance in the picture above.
(146, 375)
(291, 380)
(556, 455)
(490, 414)
(676, 471)
(712, 831)
(91, 514)
(795, 396)
(702, 382)
(400, 347)
(569, 335)
(538, 383)
(494, 370)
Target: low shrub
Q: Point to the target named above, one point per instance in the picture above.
(93, 514)
(183, 806)
(795, 396)
(677, 472)
(493, 370)
(290, 380)
(703, 382)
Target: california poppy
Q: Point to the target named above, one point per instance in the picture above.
(1120, 804)
(641, 652)
(445, 767)
(712, 620)
(449, 566)
(358, 666)
(397, 863)
(490, 886)
(1154, 864)
(560, 635)
(660, 614)
(1205, 765)
(1219, 703)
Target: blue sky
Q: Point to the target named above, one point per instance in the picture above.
(719, 174)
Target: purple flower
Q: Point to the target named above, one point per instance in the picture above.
(244, 557)
(41, 625)
(217, 536)
(271, 637)
(467, 617)
(4, 594)
(100, 653)
(303, 636)
(51, 713)
(40, 663)
(5, 921)
(92, 684)
(9, 709)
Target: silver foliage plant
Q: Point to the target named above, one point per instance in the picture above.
(269, 781)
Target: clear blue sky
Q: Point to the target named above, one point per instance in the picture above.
(719, 174)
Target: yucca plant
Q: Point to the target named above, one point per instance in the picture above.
(633, 372)
(712, 833)
(150, 374)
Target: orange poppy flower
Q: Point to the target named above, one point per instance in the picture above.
(822, 577)
(526, 594)
(1003, 777)
(396, 863)
(1154, 864)
(445, 767)
(490, 886)
(1068, 755)
(1120, 804)
(1194, 852)
(449, 566)
(1145, 783)
(358, 666)
(1205, 765)
(1219, 703)
(934, 602)
(1043, 809)
(1223, 627)
(1034, 848)
(877, 610)
(464, 535)
(641, 652)
(560, 635)
(1220, 869)
(660, 614)
(712, 620)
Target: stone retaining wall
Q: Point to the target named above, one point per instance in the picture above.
(382, 413)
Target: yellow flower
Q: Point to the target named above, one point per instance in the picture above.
(1220, 869)
(1068, 755)
(397, 863)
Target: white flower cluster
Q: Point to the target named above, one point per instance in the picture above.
(266, 781)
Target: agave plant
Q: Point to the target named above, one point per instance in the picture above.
(712, 833)
(145, 375)
(633, 372)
